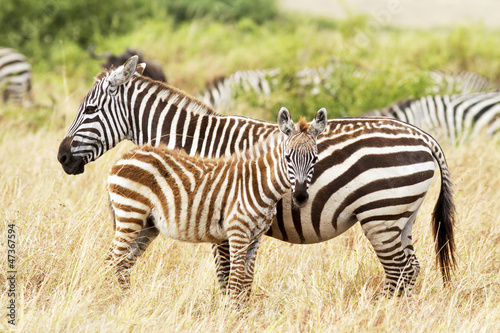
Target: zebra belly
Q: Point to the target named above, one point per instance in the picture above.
(192, 225)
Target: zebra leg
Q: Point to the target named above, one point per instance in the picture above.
(393, 245)
(130, 241)
(238, 246)
(144, 238)
(222, 264)
(412, 268)
(250, 264)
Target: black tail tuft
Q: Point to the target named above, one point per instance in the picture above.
(443, 221)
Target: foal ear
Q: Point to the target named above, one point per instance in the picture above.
(285, 122)
(319, 123)
(124, 73)
(140, 68)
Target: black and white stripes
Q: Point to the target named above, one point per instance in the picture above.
(15, 77)
(375, 171)
(454, 117)
(209, 200)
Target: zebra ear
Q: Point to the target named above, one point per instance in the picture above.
(140, 68)
(319, 123)
(285, 122)
(124, 73)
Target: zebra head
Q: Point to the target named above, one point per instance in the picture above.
(301, 152)
(101, 121)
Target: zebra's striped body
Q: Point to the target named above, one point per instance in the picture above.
(461, 82)
(454, 117)
(375, 171)
(15, 77)
(220, 92)
(198, 199)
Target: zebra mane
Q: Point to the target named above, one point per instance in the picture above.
(303, 125)
(194, 105)
(268, 144)
(260, 148)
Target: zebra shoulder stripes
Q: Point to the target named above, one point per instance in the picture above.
(375, 171)
(15, 77)
(198, 199)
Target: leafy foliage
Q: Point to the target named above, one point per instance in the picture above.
(31, 24)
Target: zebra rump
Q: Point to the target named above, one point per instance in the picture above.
(15, 77)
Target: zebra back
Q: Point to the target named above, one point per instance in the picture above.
(450, 117)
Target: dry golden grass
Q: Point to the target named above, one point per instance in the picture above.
(64, 231)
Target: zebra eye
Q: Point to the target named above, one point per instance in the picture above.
(287, 158)
(315, 159)
(91, 109)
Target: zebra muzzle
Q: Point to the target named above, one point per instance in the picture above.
(72, 165)
(300, 195)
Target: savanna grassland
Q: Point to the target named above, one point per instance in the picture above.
(63, 226)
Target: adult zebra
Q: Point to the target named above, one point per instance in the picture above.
(15, 77)
(220, 92)
(238, 196)
(452, 117)
(373, 171)
(463, 82)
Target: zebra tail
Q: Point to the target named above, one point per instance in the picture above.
(443, 220)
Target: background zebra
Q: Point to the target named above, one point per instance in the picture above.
(15, 77)
(153, 68)
(159, 188)
(463, 82)
(373, 171)
(221, 92)
(454, 117)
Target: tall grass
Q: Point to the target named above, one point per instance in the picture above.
(64, 229)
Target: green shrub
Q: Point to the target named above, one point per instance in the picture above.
(31, 25)
(258, 11)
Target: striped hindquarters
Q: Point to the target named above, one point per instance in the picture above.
(15, 76)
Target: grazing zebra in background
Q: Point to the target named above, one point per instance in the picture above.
(196, 199)
(15, 77)
(374, 171)
(153, 68)
(461, 82)
(454, 117)
(220, 92)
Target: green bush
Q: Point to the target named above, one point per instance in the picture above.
(30, 25)
(258, 11)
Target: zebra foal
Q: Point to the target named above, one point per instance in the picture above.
(213, 200)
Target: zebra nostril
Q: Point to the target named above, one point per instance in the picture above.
(63, 158)
(300, 195)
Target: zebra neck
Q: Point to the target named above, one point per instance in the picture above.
(163, 115)
(272, 170)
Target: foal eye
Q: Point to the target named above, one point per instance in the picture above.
(91, 109)
(287, 158)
